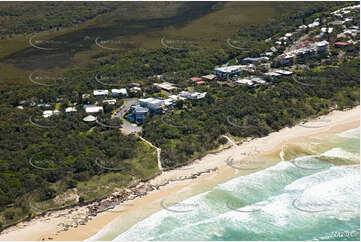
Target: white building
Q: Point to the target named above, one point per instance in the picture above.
(326, 30)
(93, 109)
(314, 24)
(273, 49)
(165, 86)
(342, 11)
(100, 93)
(337, 22)
(48, 113)
(89, 119)
(110, 101)
(135, 89)
(192, 95)
(85, 96)
(70, 109)
(257, 59)
(244, 81)
(322, 46)
(153, 104)
(272, 74)
(284, 72)
(169, 102)
(347, 20)
(175, 97)
(122, 92)
(224, 72)
(258, 80)
(351, 32)
(288, 57)
(270, 53)
(302, 27)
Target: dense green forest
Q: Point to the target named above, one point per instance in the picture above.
(36, 163)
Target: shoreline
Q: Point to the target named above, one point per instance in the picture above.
(200, 175)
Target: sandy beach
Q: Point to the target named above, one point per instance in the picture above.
(210, 170)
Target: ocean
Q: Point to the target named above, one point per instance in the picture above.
(313, 193)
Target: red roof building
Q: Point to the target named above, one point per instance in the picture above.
(195, 79)
(305, 43)
(201, 82)
(230, 84)
(342, 44)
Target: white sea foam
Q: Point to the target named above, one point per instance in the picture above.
(336, 189)
(352, 133)
(335, 195)
(257, 180)
(310, 162)
(329, 174)
(341, 153)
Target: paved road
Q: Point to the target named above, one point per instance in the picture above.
(127, 127)
(127, 103)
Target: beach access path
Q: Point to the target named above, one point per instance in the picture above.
(158, 151)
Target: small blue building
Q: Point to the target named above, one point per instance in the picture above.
(138, 114)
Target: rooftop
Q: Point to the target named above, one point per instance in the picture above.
(209, 77)
(192, 95)
(110, 101)
(165, 85)
(322, 43)
(89, 118)
(284, 72)
(121, 90)
(272, 74)
(93, 109)
(342, 43)
(100, 92)
(258, 80)
(250, 59)
(70, 109)
(195, 79)
(48, 113)
(229, 68)
(135, 89)
(139, 109)
(244, 81)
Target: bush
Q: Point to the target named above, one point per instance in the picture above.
(9, 215)
(71, 183)
(47, 194)
(223, 140)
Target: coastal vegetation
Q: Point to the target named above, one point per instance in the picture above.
(38, 164)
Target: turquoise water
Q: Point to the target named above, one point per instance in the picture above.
(315, 196)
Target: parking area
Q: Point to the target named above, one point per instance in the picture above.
(127, 127)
